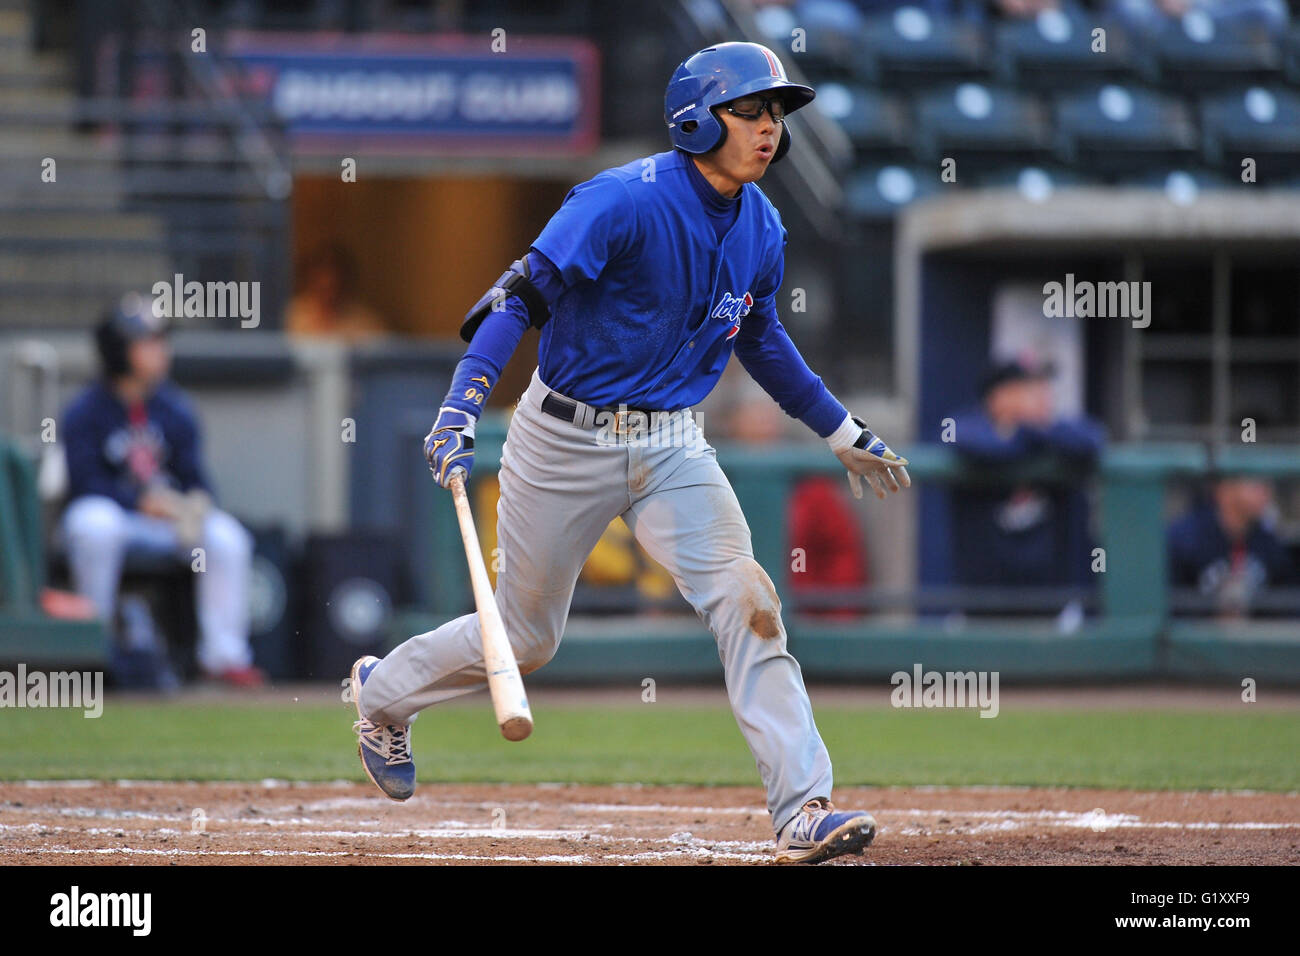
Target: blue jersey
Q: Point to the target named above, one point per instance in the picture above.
(648, 300)
(659, 326)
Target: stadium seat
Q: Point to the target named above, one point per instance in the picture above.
(1119, 128)
(1291, 56)
(1200, 53)
(1182, 185)
(913, 48)
(875, 123)
(26, 632)
(830, 39)
(1034, 182)
(999, 124)
(1054, 51)
(1258, 122)
(878, 192)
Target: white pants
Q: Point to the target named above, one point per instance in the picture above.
(99, 533)
(561, 485)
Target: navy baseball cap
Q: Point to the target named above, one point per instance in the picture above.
(1013, 371)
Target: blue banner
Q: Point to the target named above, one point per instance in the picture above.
(441, 94)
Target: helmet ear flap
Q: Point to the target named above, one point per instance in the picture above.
(783, 145)
(695, 134)
(722, 131)
(112, 347)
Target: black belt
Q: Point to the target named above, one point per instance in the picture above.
(567, 410)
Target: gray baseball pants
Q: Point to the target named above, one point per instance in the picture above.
(561, 486)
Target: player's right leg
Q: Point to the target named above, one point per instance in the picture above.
(560, 489)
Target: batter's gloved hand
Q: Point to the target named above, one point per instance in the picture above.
(866, 456)
(450, 444)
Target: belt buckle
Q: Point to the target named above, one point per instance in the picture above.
(629, 419)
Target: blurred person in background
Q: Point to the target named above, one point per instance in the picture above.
(1031, 534)
(327, 303)
(820, 521)
(1226, 548)
(137, 485)
(1150, 17)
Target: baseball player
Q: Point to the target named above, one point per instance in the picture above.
(643, 284)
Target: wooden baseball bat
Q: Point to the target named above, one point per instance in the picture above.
(509, 699)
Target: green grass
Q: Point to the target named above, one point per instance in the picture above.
(658, 744)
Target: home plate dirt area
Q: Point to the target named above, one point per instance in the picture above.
(275, 822)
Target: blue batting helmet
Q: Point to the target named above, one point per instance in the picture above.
(719, 74)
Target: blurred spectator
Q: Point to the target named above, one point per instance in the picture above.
(1225, 546)
(137, 486)
(820, 521)
(1033, 534)
(327, 304)
(1199, 17)
(1024, 9)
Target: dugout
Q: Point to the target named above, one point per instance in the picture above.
(1222, 340)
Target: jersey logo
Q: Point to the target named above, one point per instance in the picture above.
(733, 310)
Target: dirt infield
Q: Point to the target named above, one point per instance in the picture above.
(346, 823)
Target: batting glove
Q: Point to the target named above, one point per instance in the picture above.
(866, 456)
(450, 444)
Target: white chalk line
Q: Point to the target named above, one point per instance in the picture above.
(459, 829)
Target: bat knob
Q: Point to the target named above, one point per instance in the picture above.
(516, 728)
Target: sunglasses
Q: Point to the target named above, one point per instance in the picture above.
(751, 107)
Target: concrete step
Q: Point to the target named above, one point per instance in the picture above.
(61, 197)
(15, 33)
(79, 226)
(21, 71)
(41, 141)
(42, 100)
(34, 275)
(67, 309)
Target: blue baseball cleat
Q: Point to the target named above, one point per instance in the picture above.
(820, 832)
(385, 749)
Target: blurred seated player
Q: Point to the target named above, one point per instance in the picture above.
(1225, 547)
(327, 304)
(1030, 534)
(819, 519)
(136, 485)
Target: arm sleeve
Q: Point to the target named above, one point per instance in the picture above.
(1080, 437)
(88, 473)
(977, 438)
(770, 357)
(496, 339)
(187, 443)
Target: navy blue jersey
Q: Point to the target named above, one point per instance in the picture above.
(117, 451)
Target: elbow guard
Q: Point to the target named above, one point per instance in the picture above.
(514, 281)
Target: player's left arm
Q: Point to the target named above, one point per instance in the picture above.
(772, 360)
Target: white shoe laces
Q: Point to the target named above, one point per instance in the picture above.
(812, 813)
(389, 741)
